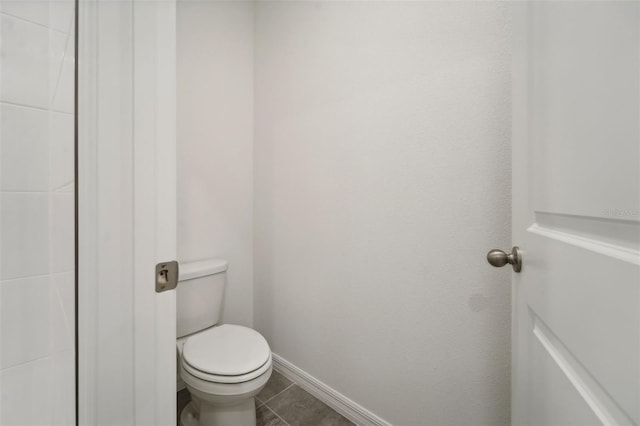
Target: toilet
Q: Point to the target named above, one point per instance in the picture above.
(222, 366)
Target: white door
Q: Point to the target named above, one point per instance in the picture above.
(576, 213)
(127, 212)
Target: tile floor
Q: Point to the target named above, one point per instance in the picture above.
(283, 403)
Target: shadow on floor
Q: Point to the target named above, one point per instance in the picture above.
(283, 403)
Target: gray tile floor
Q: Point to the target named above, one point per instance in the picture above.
(283, 403)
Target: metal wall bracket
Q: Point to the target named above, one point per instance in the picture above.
(166, 276)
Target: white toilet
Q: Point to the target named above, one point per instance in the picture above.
(222, 366)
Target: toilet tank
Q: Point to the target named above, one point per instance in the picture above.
(199, 295)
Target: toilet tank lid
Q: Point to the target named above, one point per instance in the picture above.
(201, 268)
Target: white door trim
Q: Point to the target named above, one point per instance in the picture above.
(155, 197)
(127, 218)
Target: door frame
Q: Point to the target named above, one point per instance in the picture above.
(126, 211)
(519, 191)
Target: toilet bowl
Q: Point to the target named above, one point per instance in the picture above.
(222, 366)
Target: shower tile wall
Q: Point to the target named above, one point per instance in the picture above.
(36, 212)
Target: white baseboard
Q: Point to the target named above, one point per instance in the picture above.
(334, 399)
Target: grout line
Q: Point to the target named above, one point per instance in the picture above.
(9, 192)
(265, 402)
(65, 188)
(9, 280)
(54, 111)
(44, 109)
(315, 397)
(276, 414)
(31, 361)
(65, 313)
(59, 74)
(39, 24)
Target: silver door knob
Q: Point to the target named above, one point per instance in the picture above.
(499, 258)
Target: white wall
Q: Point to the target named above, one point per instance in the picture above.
(215, 143)
(382, 177)
(37, 213)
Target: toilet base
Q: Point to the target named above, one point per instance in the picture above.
(243, 414)
(188, 416)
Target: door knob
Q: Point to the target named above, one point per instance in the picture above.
(499, 258)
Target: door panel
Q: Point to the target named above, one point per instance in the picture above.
(554, 393)
(584, 107)
(576, 213)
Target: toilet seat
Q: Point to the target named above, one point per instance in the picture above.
(214, 378)
(226, 354)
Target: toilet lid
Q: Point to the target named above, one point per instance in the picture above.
(226, 350)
